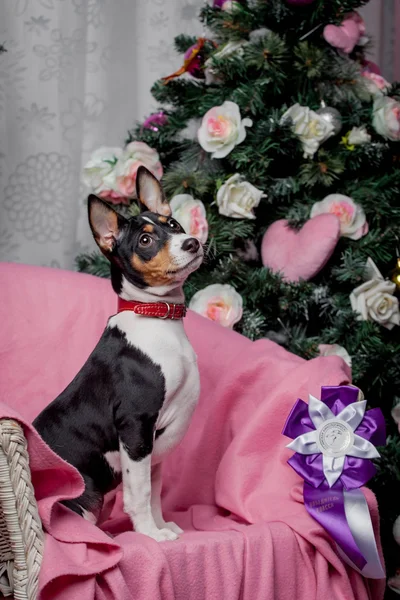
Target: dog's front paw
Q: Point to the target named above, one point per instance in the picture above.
(174, 527)
(161, 535)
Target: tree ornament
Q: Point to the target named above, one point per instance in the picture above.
(227, 5)
(300, 254)
(348, 35)
(236, 198)
(335, 350)
(155, 121)
(332, 116)
(193, 62)
(395, 275)
(386, 118)
(374, 300)
(311, 128)
(191, 214)
(220, 303)
(222, 128)
(352, 219)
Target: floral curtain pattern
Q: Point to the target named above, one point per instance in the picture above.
(76, 75)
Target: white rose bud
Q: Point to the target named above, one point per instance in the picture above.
(358, 136)
(237, 198)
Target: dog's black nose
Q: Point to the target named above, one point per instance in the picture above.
(191, 245)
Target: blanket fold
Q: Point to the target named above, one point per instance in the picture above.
(247, 533)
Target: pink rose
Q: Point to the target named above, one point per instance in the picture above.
(135, 155)
(386, 118)
(222, 129)
(111, 172)
(191, 214)
(126, 182)
(353, 222)
(113, 197)
(220, 303)
(376, 84)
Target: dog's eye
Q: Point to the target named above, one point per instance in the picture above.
(173, 224)
(145, 240)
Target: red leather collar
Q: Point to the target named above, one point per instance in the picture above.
(161, 310)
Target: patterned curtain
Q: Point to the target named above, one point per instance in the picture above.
(76, 75)
(383, 23)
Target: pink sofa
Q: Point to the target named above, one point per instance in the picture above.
(247, 533)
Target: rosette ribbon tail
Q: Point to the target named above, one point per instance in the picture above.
(334, 440)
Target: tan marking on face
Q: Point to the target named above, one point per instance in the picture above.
(154, 271)
(162, 219)
(148, 228)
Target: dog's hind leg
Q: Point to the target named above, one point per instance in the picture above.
(89, 504)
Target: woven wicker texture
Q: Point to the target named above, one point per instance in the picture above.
(21, 534)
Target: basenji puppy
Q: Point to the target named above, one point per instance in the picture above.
(132, 401)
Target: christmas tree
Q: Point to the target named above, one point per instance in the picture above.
(278, 142)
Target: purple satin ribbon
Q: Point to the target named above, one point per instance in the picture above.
(326, 504)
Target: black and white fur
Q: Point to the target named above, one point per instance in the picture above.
(132, 401)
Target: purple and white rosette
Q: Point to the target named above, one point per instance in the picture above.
(334, 440)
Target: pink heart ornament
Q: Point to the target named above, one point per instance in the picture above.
(300, 254)
(344, 37)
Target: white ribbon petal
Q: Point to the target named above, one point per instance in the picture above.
(359, 520)
(305, 443)
(362, 448)
(333, 467)
(353, 414)
(318, 411)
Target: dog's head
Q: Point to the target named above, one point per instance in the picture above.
(150, 251)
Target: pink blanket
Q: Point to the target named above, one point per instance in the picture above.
(247, 533)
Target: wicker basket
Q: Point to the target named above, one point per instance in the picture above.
(21, 534)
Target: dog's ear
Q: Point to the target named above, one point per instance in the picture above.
(105, 223)
(150, 194)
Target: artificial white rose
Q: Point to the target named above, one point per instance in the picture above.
(353, 222)
(236, 198)
(374, 300)
(191, 214)
(335, 350)
(100, 164)
(309, 126)
(222, 128)
(220, 303)
(386, 118)
(358, 136)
